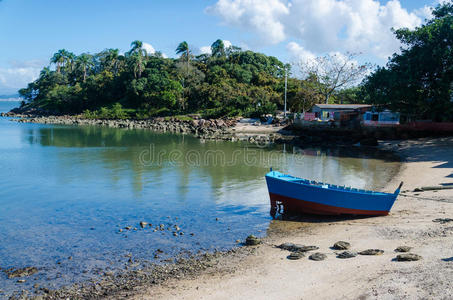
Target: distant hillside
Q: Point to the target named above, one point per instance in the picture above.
(13, 97)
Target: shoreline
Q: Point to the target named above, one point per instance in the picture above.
(266, 273)
(206, 129)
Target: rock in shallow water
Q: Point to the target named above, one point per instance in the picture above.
(372, 252)
(347, 254)
(143, 224)
(341, 245)
(317, 256)
(252, 240)
(28, 271)
(408, 257)
(295, 255)
(403, 249)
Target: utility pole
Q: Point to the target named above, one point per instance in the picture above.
(286, 88)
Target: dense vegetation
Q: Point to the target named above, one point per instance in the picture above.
(419, 81)
(107, 84)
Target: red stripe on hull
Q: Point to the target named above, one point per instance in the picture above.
(308, 207)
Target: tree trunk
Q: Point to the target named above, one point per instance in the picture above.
(327, 99)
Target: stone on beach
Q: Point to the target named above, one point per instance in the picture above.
(317, 256)
(403, 249)
(372, 252)
(408, 257)
(302, 248)
(443, 220)
(296, 247)
(252, 240)
(341, 245)
(286, 246)
(295, 255)
(347, 254)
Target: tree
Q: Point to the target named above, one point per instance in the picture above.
(218, 48)
(418, 81)
(61, 58)
(84, 61)
(334, 72)
(183, 49)
(137, 54)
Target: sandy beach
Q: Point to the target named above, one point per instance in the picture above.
(266, 273)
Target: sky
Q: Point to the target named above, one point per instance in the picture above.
(292, 30)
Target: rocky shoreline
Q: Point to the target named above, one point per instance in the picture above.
(206, 129)
(135, 276)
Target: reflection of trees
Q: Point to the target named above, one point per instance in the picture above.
(114, 152)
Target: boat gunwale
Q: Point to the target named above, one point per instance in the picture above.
(307, 183)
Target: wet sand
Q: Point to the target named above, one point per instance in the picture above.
(265, 272)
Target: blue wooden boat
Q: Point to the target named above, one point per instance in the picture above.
(305, 196)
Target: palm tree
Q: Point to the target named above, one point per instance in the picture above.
(70, 58)
(218, 48)
(183, 49)
(61, 58)
(109, 60)
(58, 59)
(84, 61)
(136, 53)
(137, 64)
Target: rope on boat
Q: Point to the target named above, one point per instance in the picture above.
(426, 198)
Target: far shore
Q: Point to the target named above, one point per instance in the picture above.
(266, 273)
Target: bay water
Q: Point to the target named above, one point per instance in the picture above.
(67, 193)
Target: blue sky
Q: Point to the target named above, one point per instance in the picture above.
(31, 31)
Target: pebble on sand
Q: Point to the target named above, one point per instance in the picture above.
(295, 255)
(341, 245)
(408, 257)
(403, 249)
(303, 248)
(296, 247)
(347, 254)
(372, 252)
(317, 256)
(286, 246)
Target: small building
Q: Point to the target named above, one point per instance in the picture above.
(384, 118)
(326, 112)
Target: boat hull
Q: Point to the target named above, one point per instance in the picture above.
(307, 207)
(299, 195)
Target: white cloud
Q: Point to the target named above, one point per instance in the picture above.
(207, 49)
(18, 74)
(149, 48)
(322, 26)
(261, 16)
(299, 53)
(227, 44)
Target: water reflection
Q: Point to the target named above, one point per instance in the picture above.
(142, 153)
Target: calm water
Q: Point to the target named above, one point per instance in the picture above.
(66, 191)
